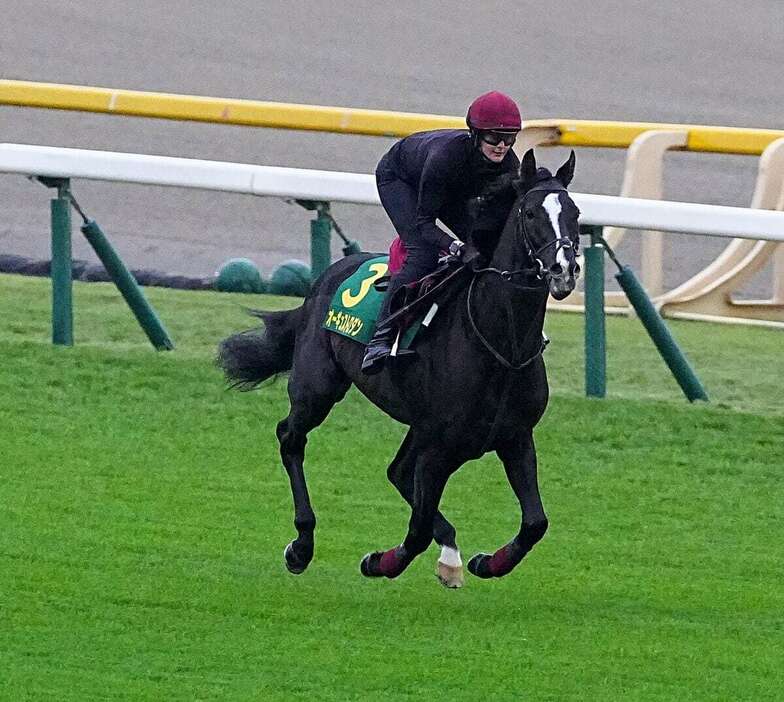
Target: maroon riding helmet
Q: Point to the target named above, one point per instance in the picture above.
(494, 111)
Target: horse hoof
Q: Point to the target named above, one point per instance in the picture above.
(368, 566)
(293, 563)
(450, 576)
(479, 566)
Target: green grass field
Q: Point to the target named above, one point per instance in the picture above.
(144, 513)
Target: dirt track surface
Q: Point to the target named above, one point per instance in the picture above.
(686, 62)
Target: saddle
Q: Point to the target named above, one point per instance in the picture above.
(410, 300)
(354, 308)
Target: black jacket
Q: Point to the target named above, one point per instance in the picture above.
(446, 170)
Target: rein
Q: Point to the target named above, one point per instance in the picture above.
(496, 354)
(509, 366)
(508, 275)
(540, 282)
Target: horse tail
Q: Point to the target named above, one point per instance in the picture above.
(252, 356)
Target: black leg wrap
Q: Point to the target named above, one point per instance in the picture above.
(479, 566)
(295, 564)
(369, 566)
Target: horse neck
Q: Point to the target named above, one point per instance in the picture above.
(509, 253)
(495, 297)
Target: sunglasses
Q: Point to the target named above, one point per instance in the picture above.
(495, 138)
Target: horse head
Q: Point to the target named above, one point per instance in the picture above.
(546, 225)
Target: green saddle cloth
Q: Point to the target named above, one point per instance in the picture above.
(355, 305)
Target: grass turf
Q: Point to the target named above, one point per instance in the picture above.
(145, 512)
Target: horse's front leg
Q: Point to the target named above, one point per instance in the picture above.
(430, 476)
(519, 459)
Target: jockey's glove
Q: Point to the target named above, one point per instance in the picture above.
(460, 251)
(456, 248)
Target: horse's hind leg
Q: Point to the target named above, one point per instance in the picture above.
(449, 568)
(314, 389)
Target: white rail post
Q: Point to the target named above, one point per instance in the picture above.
(643, 177)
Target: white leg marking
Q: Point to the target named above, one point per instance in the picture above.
(450, 557)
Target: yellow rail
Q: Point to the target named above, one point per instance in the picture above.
(729, 140)
(221, 110)
(723, 140)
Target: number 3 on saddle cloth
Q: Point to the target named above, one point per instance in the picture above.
(355, 305)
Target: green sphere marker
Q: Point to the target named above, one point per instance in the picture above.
(290, 278)
(239, 275)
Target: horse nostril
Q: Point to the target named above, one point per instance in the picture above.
(577, 269)
(556, 269)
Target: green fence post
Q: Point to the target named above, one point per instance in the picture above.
(320, 229)
(595, 334)
(128, 286)
(61, 270)
(660, 334)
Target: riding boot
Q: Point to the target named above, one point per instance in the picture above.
(378, 349)
(380, 344)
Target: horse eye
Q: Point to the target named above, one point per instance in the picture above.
(529, 214)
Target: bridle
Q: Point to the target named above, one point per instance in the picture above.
(541, 274)
(559, 242)
(541, 280)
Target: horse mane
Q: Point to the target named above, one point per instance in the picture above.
(491, 209)
(503, 184)
(510, 184)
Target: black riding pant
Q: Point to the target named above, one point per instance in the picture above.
(400, 202)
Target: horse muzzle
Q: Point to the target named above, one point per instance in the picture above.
(561, 283)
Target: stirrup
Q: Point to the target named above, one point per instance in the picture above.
(397, 352)
(375, 357)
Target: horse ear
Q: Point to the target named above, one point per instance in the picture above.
(566, 172)
(528, 169)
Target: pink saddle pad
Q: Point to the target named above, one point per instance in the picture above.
(397, 255)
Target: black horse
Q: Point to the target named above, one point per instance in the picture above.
(477, 383)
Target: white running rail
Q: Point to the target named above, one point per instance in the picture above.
(356, 188)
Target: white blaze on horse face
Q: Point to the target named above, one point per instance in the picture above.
(552, 206)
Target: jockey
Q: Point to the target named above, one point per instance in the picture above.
(432, 175)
